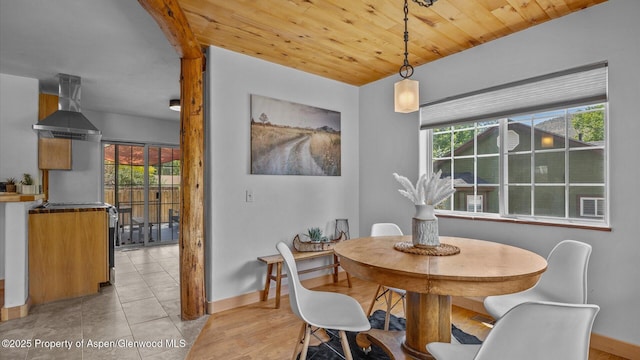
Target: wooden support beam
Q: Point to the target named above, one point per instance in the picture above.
(173, 23)
(169, 15)
(192, 295)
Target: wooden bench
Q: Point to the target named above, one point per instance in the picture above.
(298, 256)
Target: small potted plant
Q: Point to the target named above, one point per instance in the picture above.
(11, 185)
(27, 184)
(315, 235)
(317, 241)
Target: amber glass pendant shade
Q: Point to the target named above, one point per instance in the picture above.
(406, 96)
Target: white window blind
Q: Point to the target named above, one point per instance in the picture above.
(586, 84)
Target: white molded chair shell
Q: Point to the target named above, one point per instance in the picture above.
(322, 309)
(565, 280)
(530, 331)
(387, 229)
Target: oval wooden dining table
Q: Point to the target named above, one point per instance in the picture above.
(481, 268)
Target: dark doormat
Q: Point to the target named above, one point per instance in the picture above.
(322, 352)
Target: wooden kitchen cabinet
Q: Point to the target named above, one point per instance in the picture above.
(68, 253)
(53, 154)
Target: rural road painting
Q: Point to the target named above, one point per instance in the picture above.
(290, 158)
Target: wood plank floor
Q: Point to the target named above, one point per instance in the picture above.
(259, 332)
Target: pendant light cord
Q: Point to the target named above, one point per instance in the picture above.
(424, 3)
(406, 70)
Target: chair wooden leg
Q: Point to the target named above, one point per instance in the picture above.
(387, 316)
(296, 351)
(278, 283)
(345, 345)
(373, 302)
(404, 304)
(349, 280)
(307, 338)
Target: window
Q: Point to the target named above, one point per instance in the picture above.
(474, 203)
(526, 160)
(591, 206)
(474, 164)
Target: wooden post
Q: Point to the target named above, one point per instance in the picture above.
(192, 295)
(175, 27)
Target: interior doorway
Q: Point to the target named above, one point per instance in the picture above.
(143, 182)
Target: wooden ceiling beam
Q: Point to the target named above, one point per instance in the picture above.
(175, 26)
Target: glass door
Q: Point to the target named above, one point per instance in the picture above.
(143, 182)
(164, 193)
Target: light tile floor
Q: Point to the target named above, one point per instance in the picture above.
(138, 318)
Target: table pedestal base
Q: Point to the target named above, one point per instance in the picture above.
(428, 320)
(389, 341)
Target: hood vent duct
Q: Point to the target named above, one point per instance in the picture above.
(68, 122)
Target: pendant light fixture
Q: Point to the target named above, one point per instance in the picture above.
(174, 104)
(407, 92)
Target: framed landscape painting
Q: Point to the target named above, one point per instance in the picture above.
(293, 139)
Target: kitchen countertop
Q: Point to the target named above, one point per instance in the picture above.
(15, 197)
(70, 207)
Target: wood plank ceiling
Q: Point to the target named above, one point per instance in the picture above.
(360, 41)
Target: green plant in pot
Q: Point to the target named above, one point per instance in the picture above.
(315, 235)
(27, 184)
(27, 179)
(11, 185)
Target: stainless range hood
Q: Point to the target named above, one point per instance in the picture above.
(68, 122)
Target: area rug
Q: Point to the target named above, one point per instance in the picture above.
(321, 352)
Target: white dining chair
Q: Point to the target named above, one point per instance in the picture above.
(565, 280)
(530, 331)
(321, 310)
(385, 292)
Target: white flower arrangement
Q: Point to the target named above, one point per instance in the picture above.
(430, 190)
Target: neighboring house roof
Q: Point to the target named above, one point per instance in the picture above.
(521, 128)
(467, 178)
(464, 178)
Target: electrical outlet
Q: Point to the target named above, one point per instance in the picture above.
(249, 195)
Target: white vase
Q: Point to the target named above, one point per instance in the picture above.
(28, 189)
(424, 212)
(425, 227)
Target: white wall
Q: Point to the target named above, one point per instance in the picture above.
(2, 241)
(608, 31)
(283, 205)
(83, 182)
(16, 256)
(120, 127)
(18, 142)
(18, 112)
